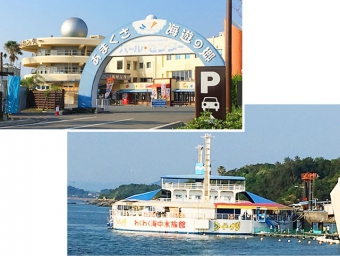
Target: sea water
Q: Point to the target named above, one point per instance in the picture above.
(88, 234)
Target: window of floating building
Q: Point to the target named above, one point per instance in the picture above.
(178, 57)
(168, 57)
(119, 64)
(141, 65)
(128, 66)
(187, 56)
(134, 79)
(148, 65)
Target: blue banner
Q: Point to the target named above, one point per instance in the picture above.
(13, 90)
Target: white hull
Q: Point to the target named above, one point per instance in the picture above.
(189, 226)
(183, 225)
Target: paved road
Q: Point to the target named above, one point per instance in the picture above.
(118, 117)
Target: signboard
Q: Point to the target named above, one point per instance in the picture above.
(147, 34)
(155, 103)
(151, 46)
(210, 91)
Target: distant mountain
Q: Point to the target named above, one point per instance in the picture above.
(80, 193)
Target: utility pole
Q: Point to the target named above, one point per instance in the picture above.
(227, 54)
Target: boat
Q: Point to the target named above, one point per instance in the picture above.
(329, 238)
(201, 203)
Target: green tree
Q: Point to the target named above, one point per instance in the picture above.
(221, 170)
(234, 80)
(204, 121)
(31, 82)
(13, 49)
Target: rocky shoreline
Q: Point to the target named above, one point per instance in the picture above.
(102, 202)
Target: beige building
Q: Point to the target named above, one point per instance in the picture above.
(60, 61)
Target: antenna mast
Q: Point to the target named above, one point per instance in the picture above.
(207, 166)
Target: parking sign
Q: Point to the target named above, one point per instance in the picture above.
(210, 91)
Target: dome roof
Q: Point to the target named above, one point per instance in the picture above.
(74, 27)
(150, 17)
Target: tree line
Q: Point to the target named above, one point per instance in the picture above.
(281, 182)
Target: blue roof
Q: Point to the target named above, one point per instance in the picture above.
(201, 177)
(144, 196)
(258, 199)
(184, 90)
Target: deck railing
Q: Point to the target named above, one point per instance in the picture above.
(218, 216)
(199, 186)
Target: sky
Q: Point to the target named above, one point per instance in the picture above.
(37, 18)
(290, 78)
(99, 160)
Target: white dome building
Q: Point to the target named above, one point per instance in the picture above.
(60, 60)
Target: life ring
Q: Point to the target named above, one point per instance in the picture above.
(231, 216)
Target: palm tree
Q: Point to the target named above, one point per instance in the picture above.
(221, 170)
(13, 50)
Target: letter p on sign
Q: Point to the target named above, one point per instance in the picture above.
(209, 79)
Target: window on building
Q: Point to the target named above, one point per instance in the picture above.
(146, 79)
(168, 57)
(134, 79)
(178, 57)
(128, 66)
(184, 75)
(141, 65)
(119, 64)
(187, 56)
(148, 65)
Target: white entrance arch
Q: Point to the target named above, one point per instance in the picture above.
(100, 57)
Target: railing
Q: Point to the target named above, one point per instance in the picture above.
(212, 216)
(62, 53)
(200, 186)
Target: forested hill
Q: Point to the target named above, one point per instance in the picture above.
(282, 182)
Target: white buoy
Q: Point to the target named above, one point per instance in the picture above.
(279, 240)
(288, 241)
(309, 242)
